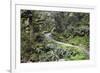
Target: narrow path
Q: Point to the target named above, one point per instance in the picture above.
(70, 45)
(49, 37)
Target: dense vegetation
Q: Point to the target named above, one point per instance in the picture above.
(54, 36)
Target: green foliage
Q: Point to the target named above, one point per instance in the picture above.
(80, 41)
(46, 35)
(75, 54)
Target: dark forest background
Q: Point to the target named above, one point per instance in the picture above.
(54, 36)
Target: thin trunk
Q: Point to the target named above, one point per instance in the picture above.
(31, 30)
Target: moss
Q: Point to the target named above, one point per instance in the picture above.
(80, 41)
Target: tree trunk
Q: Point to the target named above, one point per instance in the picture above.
(31, 30)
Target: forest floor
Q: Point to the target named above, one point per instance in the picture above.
(49, 37)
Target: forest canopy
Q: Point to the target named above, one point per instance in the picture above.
(54, 36)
